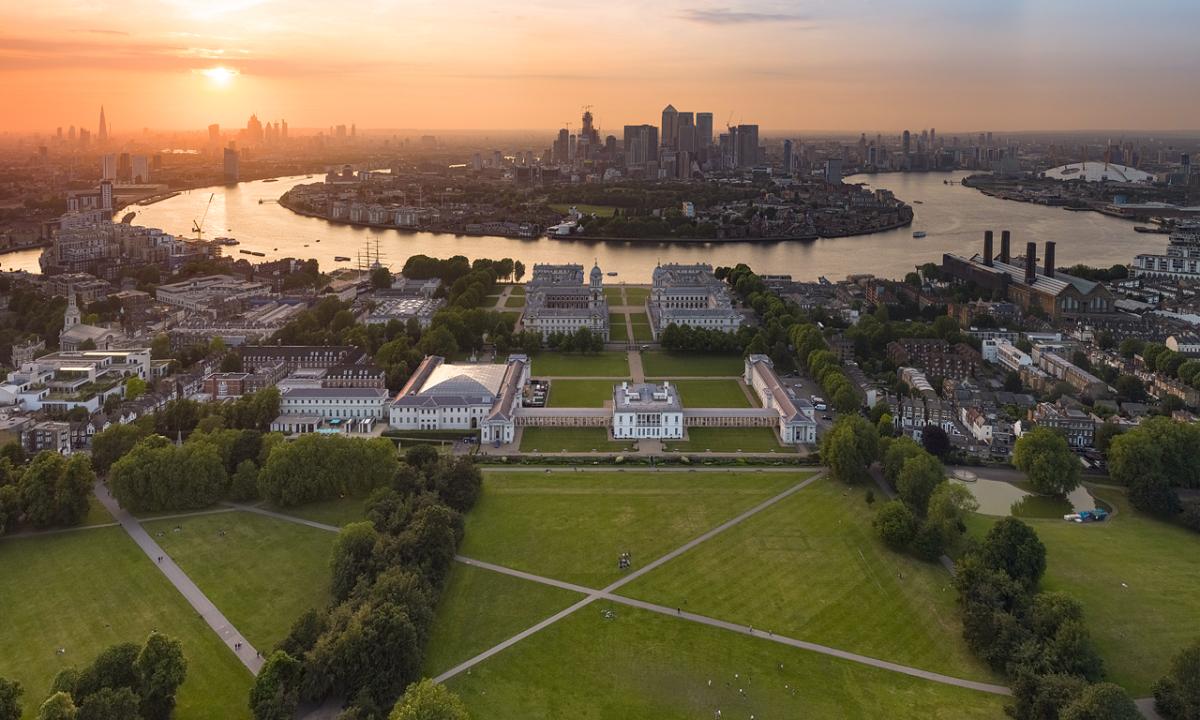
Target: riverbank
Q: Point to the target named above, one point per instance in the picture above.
(21, 248)
(383, 226)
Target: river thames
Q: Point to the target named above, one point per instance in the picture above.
(953, 217)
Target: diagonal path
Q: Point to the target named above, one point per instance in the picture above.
(282, 516)
(190, 591)
(594, 595)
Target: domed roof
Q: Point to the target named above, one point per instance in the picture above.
(596, 270)
(1097, 171)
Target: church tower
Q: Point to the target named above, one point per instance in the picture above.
(72, 317)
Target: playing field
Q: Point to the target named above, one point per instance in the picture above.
(812, 568)
(640, 664)
(570, 439)
(602, 364)
(1138, 579)
(664, 364)
(580, 393)
(712, 394)
(480, 608)
(590, 518)
(262, 573)
(84, 591)
(736, 439)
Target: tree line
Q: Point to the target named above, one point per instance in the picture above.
(48, 491)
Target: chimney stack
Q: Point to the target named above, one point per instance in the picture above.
(987, 248)
(1049, 259)
(1030, 263)
(1005, 249)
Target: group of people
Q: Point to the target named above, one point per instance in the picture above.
(624, 561)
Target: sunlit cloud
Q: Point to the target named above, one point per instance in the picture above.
(220, 76)
(726, 16)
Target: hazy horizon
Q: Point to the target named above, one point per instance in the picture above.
(465, 65)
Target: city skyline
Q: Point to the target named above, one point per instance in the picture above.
(467, 66)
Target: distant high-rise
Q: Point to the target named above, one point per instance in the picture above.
(283, 130)
(108, 167)
(214, 134)
(670, 120)
(231, 165)
(641, 145)
(685, 132)
(906, 143)
(788, 164)
(254, 130)
(746, 145)
(102, 136)
(140, 169)
(704, 131)
(562, 146)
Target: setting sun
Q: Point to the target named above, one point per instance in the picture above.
(219, 76)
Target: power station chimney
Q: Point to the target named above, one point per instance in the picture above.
(1005, 249)
(1030, 263)
(987, 248)
(1049, 259)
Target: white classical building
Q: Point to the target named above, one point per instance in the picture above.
(797, 425)
(690, 295)
(446, 396)
(642, 410)
(556, 300)
(336, 403)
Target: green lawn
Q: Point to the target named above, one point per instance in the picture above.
(613, 295)
(617, 331)
(489, 301)
(515, 301)
(580, 393)
(597, 210)
(511, 317)
(262, 573)
(712, 393)
(480, 608)
(97, 514)
(1138, 579)
(516, 289)
(84, 591)
(573, 525)
(646, 665)
(636, 295)
(642, 333)
(664, 364)
(602, 364)
(812, 568)
(331, 512)
(571, 439)
(750, 440)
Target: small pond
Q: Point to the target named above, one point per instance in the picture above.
(996, 497)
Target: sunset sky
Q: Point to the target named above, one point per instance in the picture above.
(844, 65)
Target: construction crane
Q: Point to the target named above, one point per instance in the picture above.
(198, 227)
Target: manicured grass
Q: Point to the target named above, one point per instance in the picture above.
(511, 317)
(262, 573)
(97, 514)
(330, 512)
(516, 289)
(480, 608)
(84, 591)
(603, 364)
(597, 210)
(636, 295)
(750, 440)
(617, 332)
(812, 568)
(642, 333)
(574, 525)
(1138, 579)
(613, 296)
(580, 393)
(514, 301)
(642, 664)
(712, 393)
(489, 301)
(664, 364)
(571, 439)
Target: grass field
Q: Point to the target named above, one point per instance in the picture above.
(571, 439)
(613, 296)
(617, 331)
(639, 318)
(1138, 579)
(712, 393)
(511, 317)
(516, 289)
(636, 295)
(597, 210)
(514, 301)
(664, 364)
(262, 573)
(645, 665)
(589, 518)
(580, 393)
(603, 364)
(750, 440)
(480, 608)
(642, 333)
(84, 591)
(489, 301)
(811, 567)
(330, 512)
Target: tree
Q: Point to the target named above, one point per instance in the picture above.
(1014, 548)
(55, 491)
(1041, 697)
(1136, 459)
(1046, 459)
(353, 555)
(58, 706)
(458, 483)
(135, 387)
(1102, 701)
(439, 341)
(111, 443)
(109, 703)
(1105, 435)
(10, 699)
(231, 363)
(849, 448)
(161, 668)
(427, 700)
(275, 694)
(1130, 388)
(381, 278)
(919, 477)
(10, 507)
(160, 347)
(244, 484)
(1130, 347)
(935, 440)
(1177, 694)
(898, 452)
(948, 509)
(895, 524)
